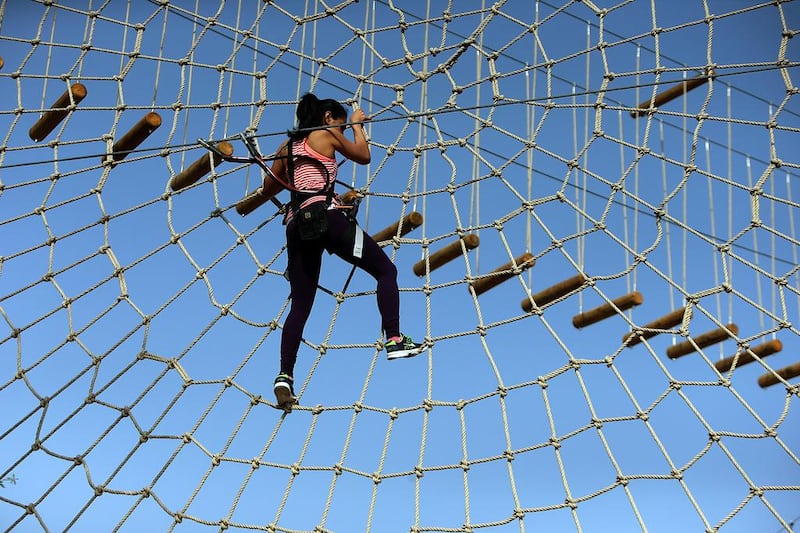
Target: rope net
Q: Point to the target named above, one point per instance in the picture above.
(616, 186)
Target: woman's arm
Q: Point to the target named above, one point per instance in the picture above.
(356, 150)
(278, 166)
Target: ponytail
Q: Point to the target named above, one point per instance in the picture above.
(311, 112)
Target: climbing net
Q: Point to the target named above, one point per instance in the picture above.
(591, 207)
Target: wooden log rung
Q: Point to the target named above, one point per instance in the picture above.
(446, 254)
(501, 274)
(199, 168)
(708, 338)
(408, 223)
(251, 202)
(135, 136)
(787, 373)
(554, 292)
(259, 197)
(601, 312)
(765, 349)
(57, 112)
(652, 329)
(672, 93)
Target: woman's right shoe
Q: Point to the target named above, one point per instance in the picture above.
(405, 347)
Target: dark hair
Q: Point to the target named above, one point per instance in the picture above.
(310, 113)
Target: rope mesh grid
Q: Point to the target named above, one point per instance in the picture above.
(140, 325)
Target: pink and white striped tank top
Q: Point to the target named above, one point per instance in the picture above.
(309, 176)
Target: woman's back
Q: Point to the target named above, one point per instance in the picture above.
(313, 171)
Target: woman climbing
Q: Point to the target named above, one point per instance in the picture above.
(316, 221)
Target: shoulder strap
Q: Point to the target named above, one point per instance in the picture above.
(290, 174)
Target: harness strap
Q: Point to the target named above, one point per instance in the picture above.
(297, 197)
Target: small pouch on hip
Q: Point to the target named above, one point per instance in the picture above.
(312, 221)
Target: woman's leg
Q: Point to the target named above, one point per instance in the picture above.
(374, 261)
(305, 261)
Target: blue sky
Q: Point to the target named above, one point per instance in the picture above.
(523, 137)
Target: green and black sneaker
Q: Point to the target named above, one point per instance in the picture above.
(405, 347)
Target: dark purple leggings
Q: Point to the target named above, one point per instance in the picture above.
(305, 261)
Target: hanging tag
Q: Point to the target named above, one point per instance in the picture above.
(358, 244)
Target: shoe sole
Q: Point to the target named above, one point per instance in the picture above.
(285, 398)
(401, 354)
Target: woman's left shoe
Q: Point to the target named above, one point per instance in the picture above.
(284, 392)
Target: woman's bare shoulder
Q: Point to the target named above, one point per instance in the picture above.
(322, 142)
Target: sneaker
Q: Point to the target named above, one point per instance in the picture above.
(405, 347)
(284, 392)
